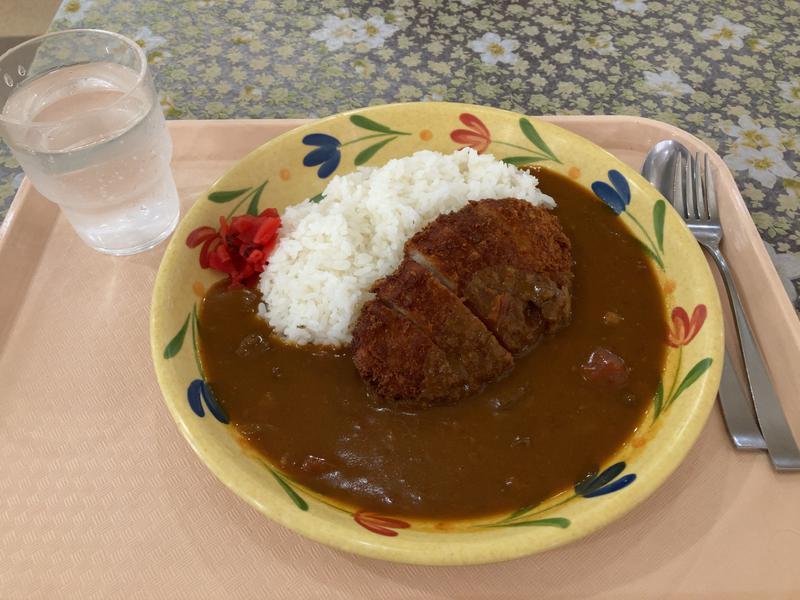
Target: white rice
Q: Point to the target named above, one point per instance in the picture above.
(330, 253)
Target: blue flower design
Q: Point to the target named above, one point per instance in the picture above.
(327, 154)
(599, 485)
(592, 486)
(618, 197)
(198, 391)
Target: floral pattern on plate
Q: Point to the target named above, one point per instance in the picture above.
(525, 145)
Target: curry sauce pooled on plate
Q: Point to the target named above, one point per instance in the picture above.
(547, 372)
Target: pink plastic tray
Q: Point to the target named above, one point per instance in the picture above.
(101, 497)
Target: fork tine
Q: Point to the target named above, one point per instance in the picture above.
(677, 186)
(688, 189)
(699, 197)
(692, 184)
(711, 194)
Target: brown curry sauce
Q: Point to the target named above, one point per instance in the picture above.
(519, 441)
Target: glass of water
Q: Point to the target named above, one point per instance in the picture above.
(80, 113)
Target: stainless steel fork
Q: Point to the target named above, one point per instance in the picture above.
(695, 200)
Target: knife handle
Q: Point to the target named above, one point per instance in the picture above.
(781, 445)
(737, 410)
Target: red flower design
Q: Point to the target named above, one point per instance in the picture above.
(240, 247)
(379, 524)
(476, 137)
(685, 329)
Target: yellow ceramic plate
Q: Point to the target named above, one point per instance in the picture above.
(295, 167)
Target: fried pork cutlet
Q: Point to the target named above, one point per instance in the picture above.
(476, 287)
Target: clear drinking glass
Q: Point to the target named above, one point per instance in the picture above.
(80, 113)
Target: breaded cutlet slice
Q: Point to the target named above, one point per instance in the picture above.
(414, 292)
(509, 261)
(399, 361)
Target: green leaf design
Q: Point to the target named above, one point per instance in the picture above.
(523, 160)
(659, 208)
(368, 153)
(175, 344)
(658, 400)
(692, 376)
(649, 251)
(560, 522)
(195, 337)
(519, 512)
(295, 497)
(316, 199)
(227, 196)
(365, 123)
(530, 132)
(252, 208)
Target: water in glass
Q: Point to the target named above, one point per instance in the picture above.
(96, 144)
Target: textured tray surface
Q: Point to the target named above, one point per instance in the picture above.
(101, 497)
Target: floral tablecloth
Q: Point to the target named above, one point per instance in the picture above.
(727, 71)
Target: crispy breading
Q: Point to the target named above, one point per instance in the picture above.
(509, 261)
(471, 348)
(399, 361)
(476, 287)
